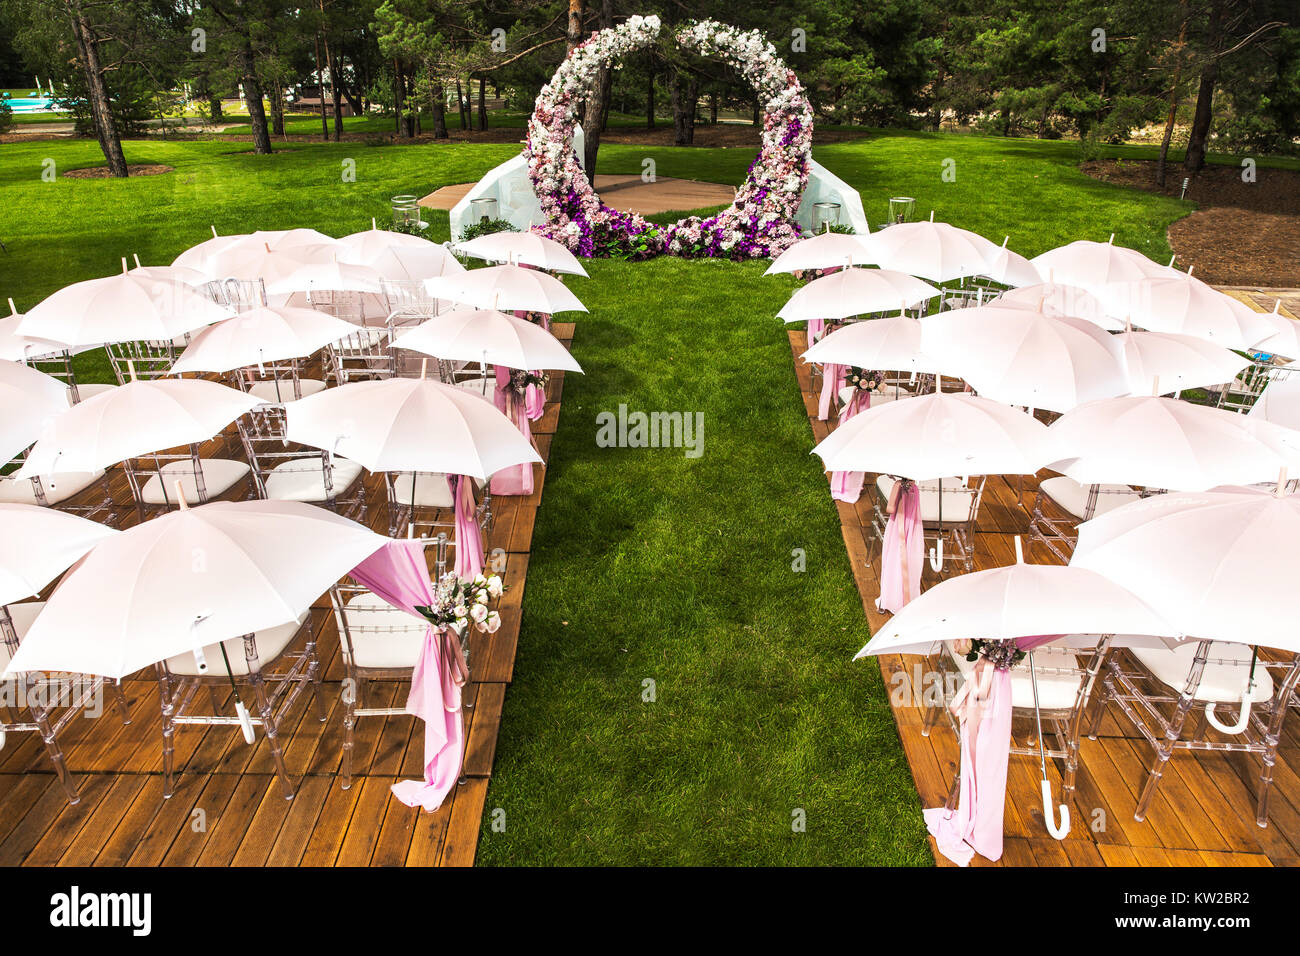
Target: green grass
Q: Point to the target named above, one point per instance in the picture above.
(646, 564)
(309, 123)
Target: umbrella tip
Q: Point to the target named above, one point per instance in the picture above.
(214, 231)
(373, 225)
(424, 369)
(130, 367)
(1020, 551)
(124, 268)
(1111, 240)
(1280, 490)
(13, 309)
(180, 495)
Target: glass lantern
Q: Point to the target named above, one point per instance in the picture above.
(901, 209)
(482, 210)
(406, 213)
(825, 215)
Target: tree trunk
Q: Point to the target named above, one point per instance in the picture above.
(100, 107)
(335, 100)
(713, 109)
(439, 99)
(482, 103)
(758, 112)
(399, 100)
(460, 105)
(650, 97)
(253, 98)
(574, 31)
(277, 110)
(214, 104)
(320, 91)
(1199, 137)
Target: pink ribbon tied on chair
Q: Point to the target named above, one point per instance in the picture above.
(832, 381)
(469, 536)
(983, 705)
(847, 485)
(517, 479)
(399, 574)
(902, 552)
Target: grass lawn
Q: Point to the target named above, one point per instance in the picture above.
(309, 123)
(648, 565)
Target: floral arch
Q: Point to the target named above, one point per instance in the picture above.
(760, 221)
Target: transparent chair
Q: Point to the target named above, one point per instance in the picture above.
(277, 382)
(1158, 694)
(153, 478)
(1062, 504)
(63, 491)
(244, 662)
(283, 471)
(144, 360)
(948, 521)
(59, 365)
(238, 294)
(50, 701)
(378, 642)
(1240, 394)
(1066, 675)
(365, 354)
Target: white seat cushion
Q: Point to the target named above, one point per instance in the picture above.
(880, 396)
(486, 387)
(431, 490)
(1058, 675)
(57, 488)
(1226, 670)
(89, 390)
(271, 643)
(219, 476)
(1073, 497)
(304, 479)
(266, 391)
(958, 499)
(22, 616)
(382, 635)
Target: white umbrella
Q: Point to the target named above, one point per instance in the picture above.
(523, 248)
(932, 250)
(38, 544)
(408, 262)
(261, 335)
(29, 401)
(1167, 443)
(1024, 357)
(332, 276)
(1007, 267)
(183, 274)
(1219, 565)
(360, 246)
(289, 238)
(410, 424)
(121, 308)
(16, 347)
(892, 343)
(506, 288)
(132, 420)
(1095, 265)
(1185, 305)
(490, 337)
(1174, 362)
(199, 256)
(1279, 403)
(855, 292)
(826, 250)
(937, 436)
(1058, 299)
(1285, 340)
(188, 579)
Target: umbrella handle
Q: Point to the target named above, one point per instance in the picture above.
(245, 722)
(1242, 720)
(936, 556)
(1049, 816)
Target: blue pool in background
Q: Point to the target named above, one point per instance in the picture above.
(30, 104)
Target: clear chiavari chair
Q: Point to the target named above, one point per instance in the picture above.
(1061, 504)
(153, 478)
(67, 491)
(246, 665)
(50, 701)
(283, 471)
(950, 511)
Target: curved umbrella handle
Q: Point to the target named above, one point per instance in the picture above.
(245, 722)
(1049, 816)
(936, 557)
(1242, 719)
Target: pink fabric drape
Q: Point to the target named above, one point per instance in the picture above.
(902, 553)
(398, 574)
(816, 327)
(469, 536)
(832, 381)
(535, 402)
(517, 479)
(847, 485)
(975, 826)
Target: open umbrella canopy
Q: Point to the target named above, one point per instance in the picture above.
(1168, 443)
(402, 262)
(523, 248)
(1219, 565)
(199, 257)
(826, 250)
(187, 276)
(937, 436)
(506, 288)
(29, 402)
(892, 343)
(38, 544)
(16, 347)
(1008, 267)
(264, 334)
(1024, 357)
(1173, 362)
(856, 292)
(127, 307)
(1285, 340)
(1185, 305)
(490, 337)
(1279, 403)
(1095, 265)
(188, 579)
(360, 246)
(410, 424)
(1017, 602)
(1057, 299)
(132, 420)
(932, 250)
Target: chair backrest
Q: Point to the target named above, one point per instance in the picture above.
(362, 354)
(238, 294)
(144, 360)
(187, 465)
(285, 375)
(1242, 392)
(364, 618)
(409, 296)
(264, 433)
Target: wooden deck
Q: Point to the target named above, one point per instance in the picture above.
(1204, 811)
(227, 809)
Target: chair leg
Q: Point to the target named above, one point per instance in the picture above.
(350, 691)
(115, 688)
(52, 747)
(1271, 739)
(1174, 730)
(168, 733)
(272, 732)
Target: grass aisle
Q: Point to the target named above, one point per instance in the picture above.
(649, 565)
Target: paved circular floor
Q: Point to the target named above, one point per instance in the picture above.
(625, 193)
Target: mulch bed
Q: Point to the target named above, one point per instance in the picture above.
(101, 172)
(1243, 233)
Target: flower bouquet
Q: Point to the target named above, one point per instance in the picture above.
(866, 380)
(464, 604)
(521, 379)
(1003, 655)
